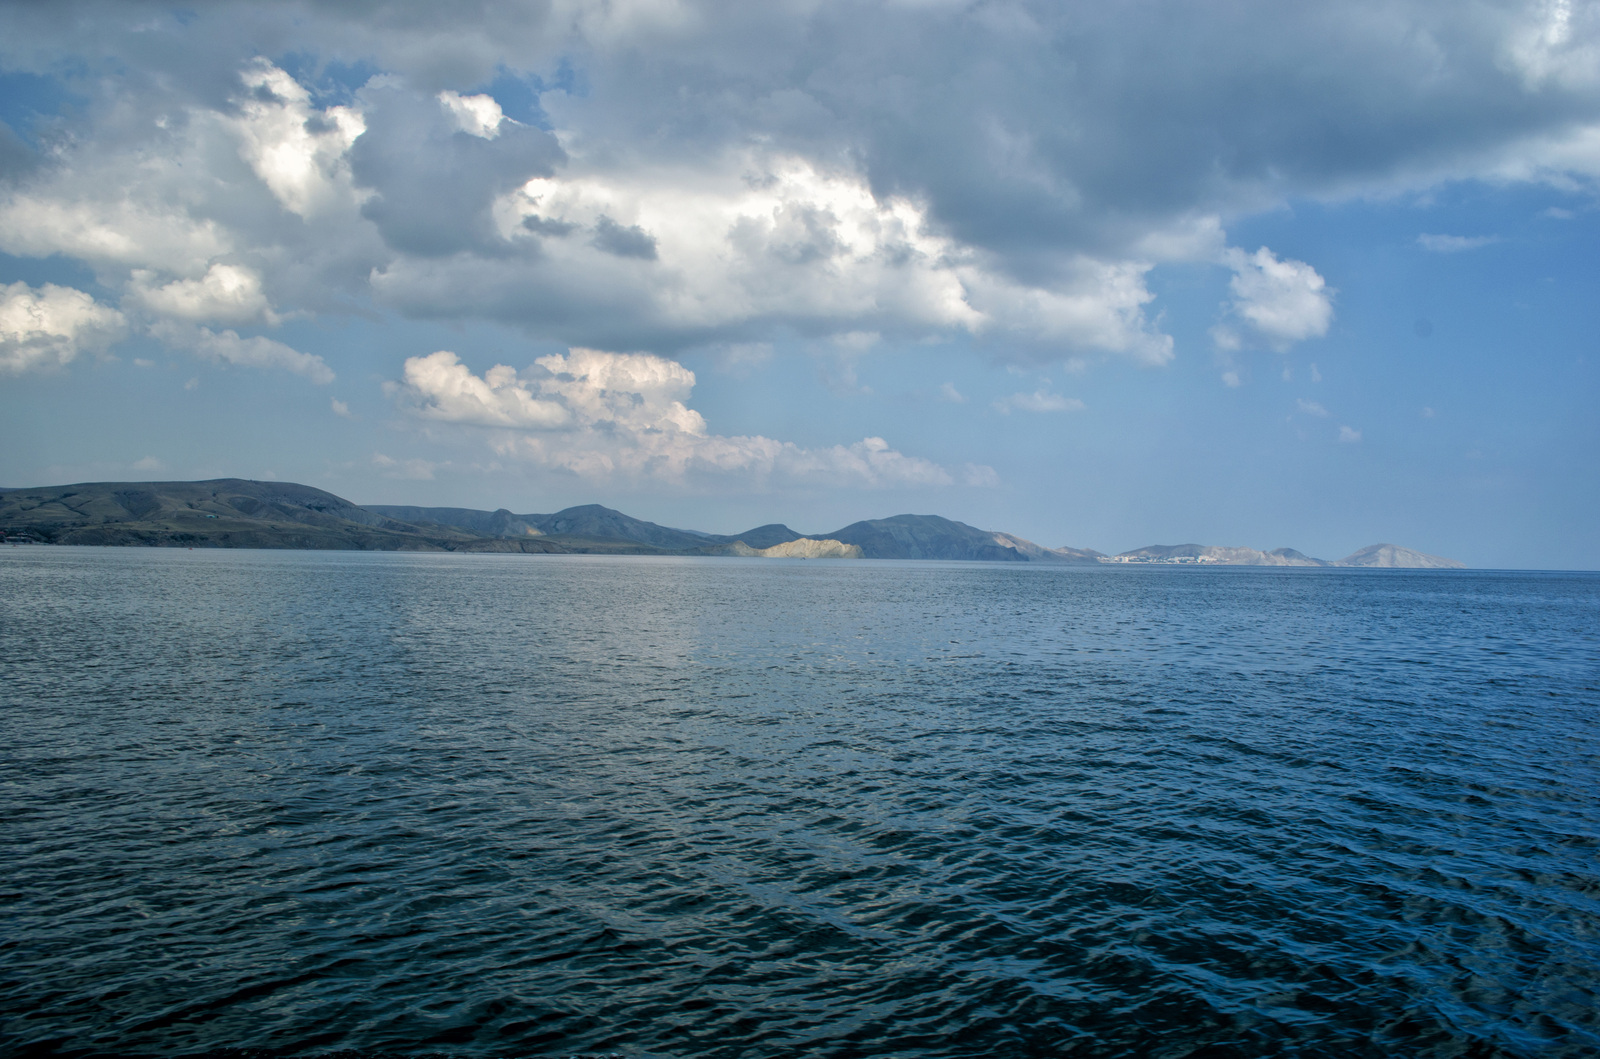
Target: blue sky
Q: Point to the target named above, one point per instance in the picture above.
(1254, 275)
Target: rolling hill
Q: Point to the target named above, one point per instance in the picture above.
(238, 513)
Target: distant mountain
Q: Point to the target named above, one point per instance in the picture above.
(932, 537)
(1294, 558)
(898, 537)
(765, 536)
(601, 523)
(237, 513)
(501, 523)
(1376, 555)
(922, 537)
(1390, 556)
(591, 522)
(227, 512)
(1218, 555)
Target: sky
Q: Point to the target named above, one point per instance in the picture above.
(1105, 276)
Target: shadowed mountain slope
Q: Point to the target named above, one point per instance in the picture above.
(589, 522)
(501, 523)
(226, 512)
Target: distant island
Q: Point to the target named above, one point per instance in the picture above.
(237, 513)
(1387, 556)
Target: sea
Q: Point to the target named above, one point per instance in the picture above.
(299, 803)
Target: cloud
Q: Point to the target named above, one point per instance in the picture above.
(49, 326)
(17, 158)
(443, 388)
(1092, 305)
(979, 476)
(440, 206)
(1349, 435)
(624, 241)
(697, 173)
(198, 208)
(226, 294)
(258, 352)
(100, 229)
(599, 415)
(1454, 244)
(296, 150)
(478, 115)
(767, 242)
(1312, 408)
(341, 409)
(739, 358)
(1038, 401)
(1277, 303)
(948, 392)
(432, 177)
(148, 463)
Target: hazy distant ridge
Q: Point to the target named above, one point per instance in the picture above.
(897, 537)
(236, 513)
(1389, 556)
(1393, 556)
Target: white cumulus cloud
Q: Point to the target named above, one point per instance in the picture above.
(49, 326)
(296, 150)
(599, 414)
(479, 115)
(1276, 302)
(226, 294)
(445, 389)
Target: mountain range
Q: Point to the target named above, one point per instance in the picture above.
(237, 513)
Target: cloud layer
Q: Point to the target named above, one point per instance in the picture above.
(710, 173)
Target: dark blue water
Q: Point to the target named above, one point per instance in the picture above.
(518, 805)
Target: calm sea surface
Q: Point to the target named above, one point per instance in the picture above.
(523, 805)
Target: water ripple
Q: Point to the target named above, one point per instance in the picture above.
(486, 805)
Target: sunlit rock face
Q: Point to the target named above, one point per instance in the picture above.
(807, 548)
